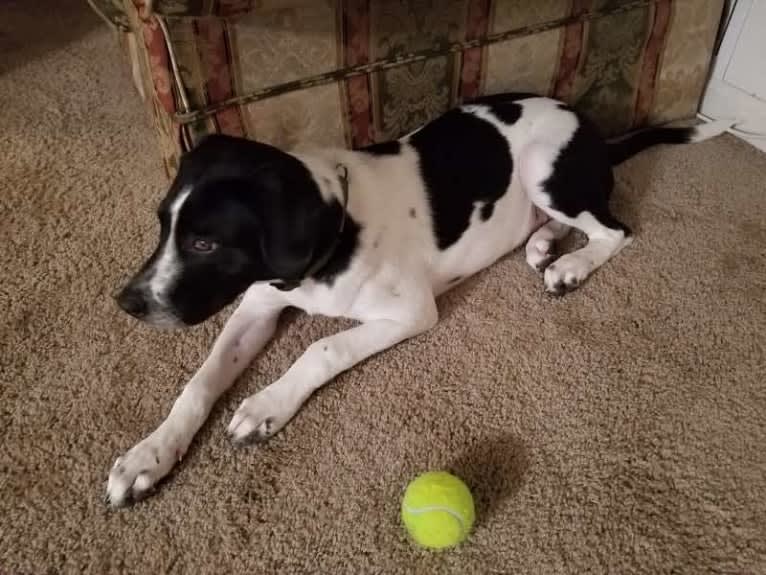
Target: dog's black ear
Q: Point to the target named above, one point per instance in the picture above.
(293, 216)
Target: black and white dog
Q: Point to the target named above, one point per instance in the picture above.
(373, 235)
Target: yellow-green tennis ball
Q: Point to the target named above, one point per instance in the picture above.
(437, 510)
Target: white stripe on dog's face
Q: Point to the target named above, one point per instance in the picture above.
(167, 266)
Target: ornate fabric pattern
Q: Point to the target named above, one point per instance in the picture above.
(305, 117)
(159, 66)
(606, 82)
(509, 15)
(116, 11)
(401, 26)
(286, 45)
(685, 59)
(651, 60)
(356, 72)
(149, 53)
(223, 8)
(215, 54)
(571, 52)
(406, 96)
(112, 11)
(525, 64)
(356, 41)
(477, 26)
(183, 36)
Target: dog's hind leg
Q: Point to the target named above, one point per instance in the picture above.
(572, 185)
(570, 270)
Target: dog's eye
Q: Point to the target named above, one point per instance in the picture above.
(202, 246)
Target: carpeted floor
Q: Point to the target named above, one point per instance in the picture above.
(618, 430)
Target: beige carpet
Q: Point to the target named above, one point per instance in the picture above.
(621, 429)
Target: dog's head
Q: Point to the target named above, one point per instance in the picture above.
(238, 212)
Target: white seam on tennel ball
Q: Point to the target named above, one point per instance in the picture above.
(428, 509)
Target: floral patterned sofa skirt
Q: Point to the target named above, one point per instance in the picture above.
(356, 72)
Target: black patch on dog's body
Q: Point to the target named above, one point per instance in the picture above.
(463, 160)
(581, 179)
(392, 148)
(508, 112)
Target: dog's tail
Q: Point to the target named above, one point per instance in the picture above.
(628, 146)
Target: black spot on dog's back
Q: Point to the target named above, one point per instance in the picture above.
(463, 160)
(504, 106)
(509, 112)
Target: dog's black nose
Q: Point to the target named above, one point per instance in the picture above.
(132, 301)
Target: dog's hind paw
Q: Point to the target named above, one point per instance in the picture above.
(566, 274)
(539, 254)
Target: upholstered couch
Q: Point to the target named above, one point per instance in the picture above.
(355, 72)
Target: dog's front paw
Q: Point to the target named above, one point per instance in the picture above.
(260, 416)
(566, 273)
(136, 473)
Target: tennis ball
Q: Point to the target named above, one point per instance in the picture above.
(437, 510)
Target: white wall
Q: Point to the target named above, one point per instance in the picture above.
(737, 87)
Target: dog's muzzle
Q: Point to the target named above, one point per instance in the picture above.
(133, 301)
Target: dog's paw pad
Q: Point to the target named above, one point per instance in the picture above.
(556, 290)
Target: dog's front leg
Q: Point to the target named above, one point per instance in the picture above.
(248, 329)
(261, 415)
